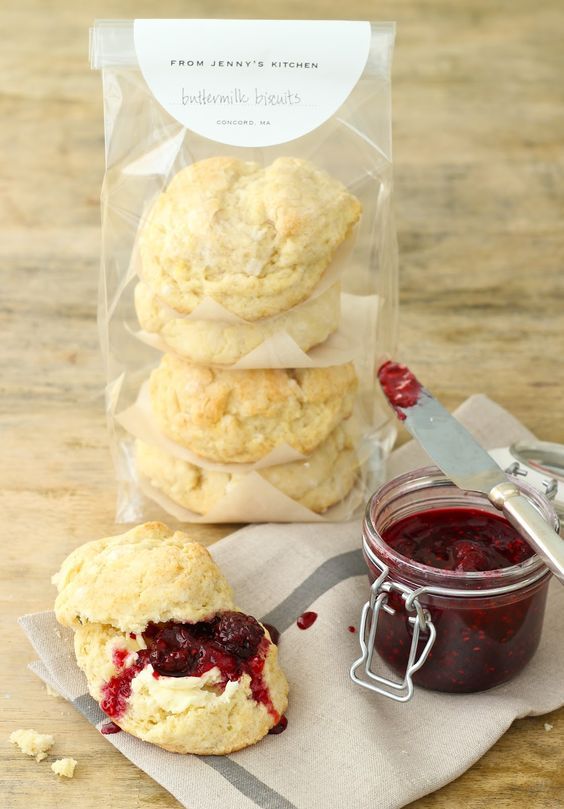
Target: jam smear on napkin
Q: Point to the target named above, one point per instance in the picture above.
(109, 728)
(306, 620)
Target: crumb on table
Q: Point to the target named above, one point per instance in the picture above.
(64, 767)
(32, 743)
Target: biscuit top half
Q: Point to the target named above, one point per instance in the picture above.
(255, 239)
(149, 574)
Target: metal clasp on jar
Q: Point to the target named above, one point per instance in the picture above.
(421, 622)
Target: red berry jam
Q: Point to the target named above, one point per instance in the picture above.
(234, 642)
(426, 533)
(239, 634)
(274, 633)
(109, 728)
(117, 691)
(119, 657)
(462, 539)
(306, 620)
(400, 386)
(280, 727)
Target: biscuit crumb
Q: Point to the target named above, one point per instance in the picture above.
(548, 726)
(64, 767)
(33, 743)
(51, 691)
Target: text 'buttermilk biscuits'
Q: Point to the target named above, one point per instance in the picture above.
(166, 653)
(240, 416)
(256, 240)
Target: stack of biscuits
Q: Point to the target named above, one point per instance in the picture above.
(231, 256)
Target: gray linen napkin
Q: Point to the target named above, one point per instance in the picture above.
(342, 743)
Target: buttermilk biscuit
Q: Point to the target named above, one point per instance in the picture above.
(190, 679)
(147, 574)
(254, 239)
(320, 481)
(215, 342)
(240, 416)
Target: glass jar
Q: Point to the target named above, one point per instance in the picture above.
(445, 630)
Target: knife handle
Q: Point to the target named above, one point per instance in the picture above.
(523, 516)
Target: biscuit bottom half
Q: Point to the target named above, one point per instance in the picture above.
(318, 482)
(208, 688)
(219, 342)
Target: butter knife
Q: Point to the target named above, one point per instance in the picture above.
(465, 462)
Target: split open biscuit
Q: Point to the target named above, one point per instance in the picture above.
(256, 240)
(318, 482)
(240, 416)
(217, 342)
(165, 651)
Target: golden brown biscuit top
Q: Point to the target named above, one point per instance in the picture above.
(148, 574)
(255, 239)
(210, 394)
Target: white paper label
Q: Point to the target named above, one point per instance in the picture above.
(251, 82)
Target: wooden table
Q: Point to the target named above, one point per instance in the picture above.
(479, 166)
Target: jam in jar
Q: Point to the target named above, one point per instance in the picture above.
(457, 598)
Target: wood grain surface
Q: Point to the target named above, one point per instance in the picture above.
(479, 167)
